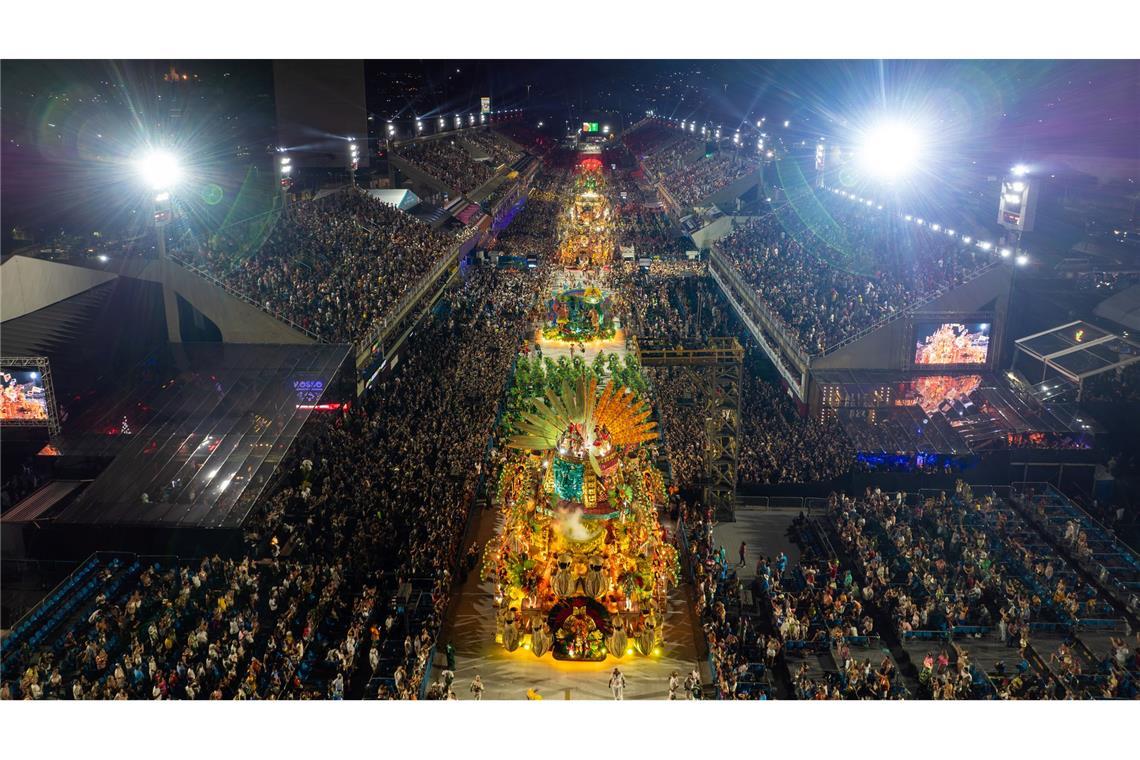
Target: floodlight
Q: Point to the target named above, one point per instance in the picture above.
(890, 149)
(1022, 259)
(159, 169)
(1005, 253)
(1020, 170)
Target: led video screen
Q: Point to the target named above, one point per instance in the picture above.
(589, 126)
(22, 396)
(950, 343)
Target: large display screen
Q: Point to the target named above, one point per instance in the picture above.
(948, 343)
(589, 126)
(22, 396)
(485, 105)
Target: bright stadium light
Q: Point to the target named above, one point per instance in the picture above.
(1020, 170)
(159, 169)
(890, 149)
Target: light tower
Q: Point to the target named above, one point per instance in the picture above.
(285, 169)
(820, 163)
(1018, 203)
(353, 159)
(160, 170)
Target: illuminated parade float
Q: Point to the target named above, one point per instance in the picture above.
(587, 234)
(581, 567)
(579, 314)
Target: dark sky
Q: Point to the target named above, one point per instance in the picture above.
(55, 165)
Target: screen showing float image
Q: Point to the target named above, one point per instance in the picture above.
(589, 126)
(22, 396)
(950, 343)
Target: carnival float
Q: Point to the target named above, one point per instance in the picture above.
(587, 228)
(579, 314)
(581, 568)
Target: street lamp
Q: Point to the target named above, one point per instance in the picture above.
(161, 171)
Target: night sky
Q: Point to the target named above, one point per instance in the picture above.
(63, 155)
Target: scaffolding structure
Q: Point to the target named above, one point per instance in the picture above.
(714, 372)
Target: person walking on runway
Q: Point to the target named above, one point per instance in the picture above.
(617, 684)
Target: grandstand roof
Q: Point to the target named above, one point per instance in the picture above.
(883, 414)
(1123, 308)
(401, 199)
(202, 435)
(1079, 350)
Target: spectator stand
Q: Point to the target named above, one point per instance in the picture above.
(1108, 561)
(1063, 614)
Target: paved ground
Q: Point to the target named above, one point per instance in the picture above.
(507, 675)
(765, 531)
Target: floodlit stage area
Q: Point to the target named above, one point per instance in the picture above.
(470, 628)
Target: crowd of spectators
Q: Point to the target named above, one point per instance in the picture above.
(655, 143)
(649, 231)
(779, 445)
(334, 266)
(377, 497)
(534, 228)
(695, 181)
(970, 566)
(500, 151)
(675, 304)
(841, 269)
(689, 175)
(741, 656)
(449, 162)
(535, 141)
